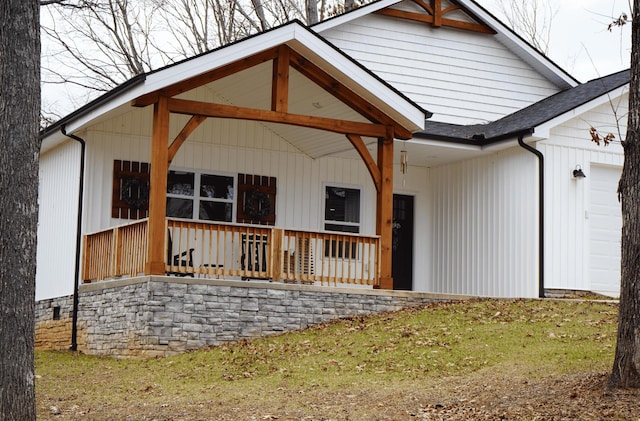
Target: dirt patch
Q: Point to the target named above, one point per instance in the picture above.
(479, 397)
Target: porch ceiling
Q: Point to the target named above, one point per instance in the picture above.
(251, 88)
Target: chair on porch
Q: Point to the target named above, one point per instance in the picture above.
(183, 259)
(254, 254)
(298, 263)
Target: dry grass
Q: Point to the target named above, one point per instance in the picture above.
(437, 361)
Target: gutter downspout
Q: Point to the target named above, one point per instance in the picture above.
(74, 320)
(540, 212)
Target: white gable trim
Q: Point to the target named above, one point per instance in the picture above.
(521, 48)
(353, 14)
(296, 36)
(543, 131)
(504, 35)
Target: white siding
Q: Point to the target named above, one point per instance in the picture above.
(461, 76)
(57, 216)
(243, 147)
(485, 226)
(568, 229)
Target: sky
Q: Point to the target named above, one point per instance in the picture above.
(580, 44)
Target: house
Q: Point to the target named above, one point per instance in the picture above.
(403, 145)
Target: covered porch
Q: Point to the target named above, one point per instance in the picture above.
(288, 83)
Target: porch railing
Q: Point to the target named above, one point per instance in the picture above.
(119, 251)
(215, 250)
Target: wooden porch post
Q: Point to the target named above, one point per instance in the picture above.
(384, 208)
(158, 188)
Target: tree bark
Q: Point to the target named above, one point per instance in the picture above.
(626, 366)
(257, 5)
(349, 5)
(19, 151)
(311, 7)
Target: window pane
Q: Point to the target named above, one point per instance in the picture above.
(180, 182)
(216, 186)
(342, 204)
(179, 208)
(216, 211)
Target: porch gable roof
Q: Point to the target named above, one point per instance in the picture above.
(296, 36)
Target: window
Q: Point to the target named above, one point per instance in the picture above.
(341, 213)
(194, 195)
(342, 209)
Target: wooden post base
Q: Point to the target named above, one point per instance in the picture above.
(155, 268)
(385, 283)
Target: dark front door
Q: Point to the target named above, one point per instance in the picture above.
(402, 261)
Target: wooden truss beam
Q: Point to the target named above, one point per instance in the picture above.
(280, 83)
(283, 57)
(435, 16)
(183, 106)
(186, 131)
(344, 94)
(368, 160)
(207, 77)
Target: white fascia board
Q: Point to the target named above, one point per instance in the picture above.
(359, 80)
(220, 57)
(543, 130)
(52, 140)
(104, 110)
(521, 48)
(187, 69)
(353, 14)
(298, 37)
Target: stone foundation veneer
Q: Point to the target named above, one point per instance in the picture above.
(53, 323)
(157, 316)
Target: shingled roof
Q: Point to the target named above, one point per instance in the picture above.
(527, 119)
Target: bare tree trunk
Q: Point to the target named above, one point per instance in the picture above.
(257, 5)
(19, 151)
(312, 11)
(626, 366)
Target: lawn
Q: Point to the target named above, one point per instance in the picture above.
(474, 359)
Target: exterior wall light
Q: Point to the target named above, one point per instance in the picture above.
(578, 174)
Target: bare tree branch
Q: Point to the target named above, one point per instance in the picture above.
(531, 18)
(95, 45)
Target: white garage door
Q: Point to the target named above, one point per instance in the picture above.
(605, 225)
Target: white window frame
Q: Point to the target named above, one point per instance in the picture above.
(343, 223)
(196, 198)
(330, 245)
